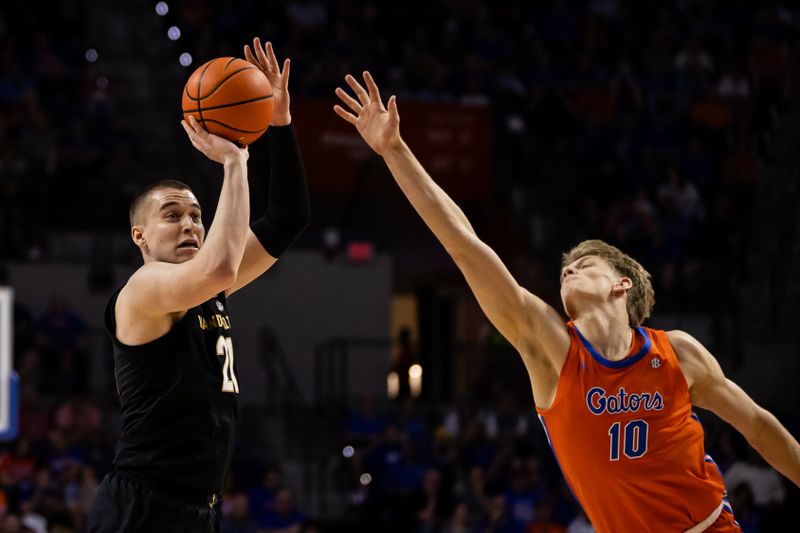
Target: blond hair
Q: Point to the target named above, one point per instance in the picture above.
(641, 297)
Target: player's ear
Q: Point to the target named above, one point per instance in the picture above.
(138, 235)
(623, 284)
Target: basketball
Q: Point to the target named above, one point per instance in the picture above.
(230, 97)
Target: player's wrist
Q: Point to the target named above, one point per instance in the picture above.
(281, 119)
(396, 148)
(234, 159)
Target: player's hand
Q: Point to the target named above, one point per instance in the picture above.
(265, 59)
(379, 126)
(212, 146)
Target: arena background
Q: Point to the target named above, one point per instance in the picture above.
(670, 129)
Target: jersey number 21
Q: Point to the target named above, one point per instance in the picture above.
(225, 348)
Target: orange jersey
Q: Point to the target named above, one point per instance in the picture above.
(627, 442)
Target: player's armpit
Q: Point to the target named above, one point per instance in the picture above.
(255, 262)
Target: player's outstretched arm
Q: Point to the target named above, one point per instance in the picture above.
(160, 288)
(710, 389)
(526, 321)
(289, 210)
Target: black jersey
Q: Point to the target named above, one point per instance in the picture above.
(179, 400)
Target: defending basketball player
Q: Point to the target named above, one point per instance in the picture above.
(614, 398)
(172, 335)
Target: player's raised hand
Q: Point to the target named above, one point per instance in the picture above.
(264, 58)
(212, 146)
(379, 126)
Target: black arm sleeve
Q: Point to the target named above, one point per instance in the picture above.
(288, 208)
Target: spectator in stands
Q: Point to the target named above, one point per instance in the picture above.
(63, 332)
(284, 517)
(764, 483)
(261, 498)
(236, 515)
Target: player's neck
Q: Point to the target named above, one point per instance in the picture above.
(611, 335)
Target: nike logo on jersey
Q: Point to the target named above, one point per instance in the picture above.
(599, 402)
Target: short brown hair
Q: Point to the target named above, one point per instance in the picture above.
(139, 197)
(641, 297)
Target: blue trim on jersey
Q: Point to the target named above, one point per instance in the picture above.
(727, 508)
(550, 443)
(617, 364)
(711, 460)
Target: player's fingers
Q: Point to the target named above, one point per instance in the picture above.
(349, 117)
(273, 61)
(187, 128)
(394, 115)
(199, 130)
(259, 50)
(349, 100)
(193, 138)
(374, 93)
(197, 141)
(248, 55)
(193, 124)
(363, 97)
(287, 64)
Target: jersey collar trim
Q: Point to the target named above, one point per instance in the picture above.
(622, 363)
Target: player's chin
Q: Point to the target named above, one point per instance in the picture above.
(186, 253)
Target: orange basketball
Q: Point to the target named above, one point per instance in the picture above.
(230, 97)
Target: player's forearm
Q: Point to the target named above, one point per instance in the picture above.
(224, 247)
(439, 212)
(777, 446)
(288, 211)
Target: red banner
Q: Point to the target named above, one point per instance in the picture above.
(453, 142)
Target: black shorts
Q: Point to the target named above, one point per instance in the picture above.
(124, 504)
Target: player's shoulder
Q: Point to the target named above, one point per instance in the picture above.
(141, 293)
(136, 284)
(679, 337)
(684, 344)
(696, 362)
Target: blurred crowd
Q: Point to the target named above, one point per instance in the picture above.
(470, 468)
(643, 122)
(59, 136)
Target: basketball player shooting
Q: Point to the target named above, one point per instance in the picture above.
(615, 398)
(172, 336)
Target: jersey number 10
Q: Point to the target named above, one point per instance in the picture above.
(225, 348)
(635, 434)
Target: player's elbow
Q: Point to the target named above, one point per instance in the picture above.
(223, 280)
(461, 245)
(757, 427)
